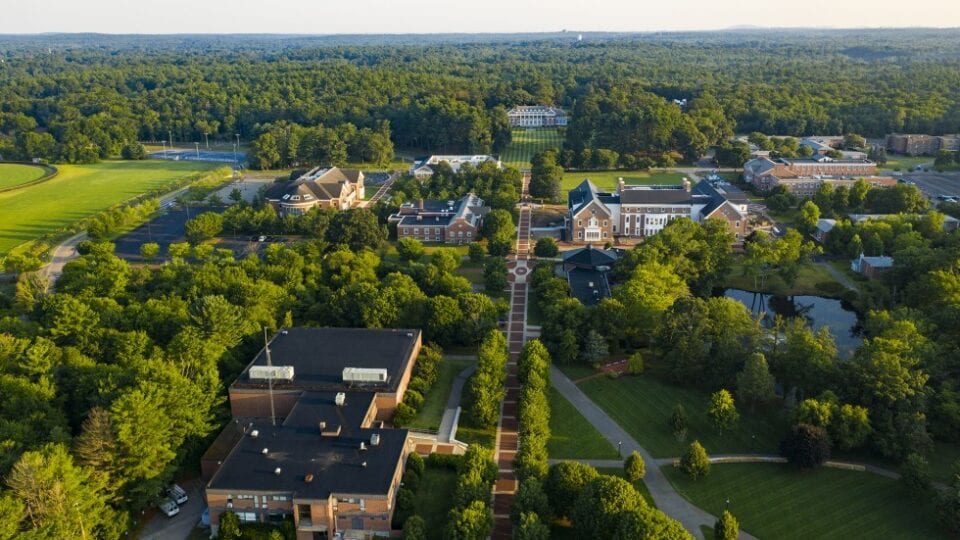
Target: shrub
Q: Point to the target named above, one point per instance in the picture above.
(411, 480)
(914, 474)
(414, 528)
(678, 422)
(418, 384)
(476, 252)
(726, 528)
(404, 415)
(405, 499)
(530, 498)
(413, 398)
(546, 247)
(634, 467)
(695, 461)
(806, 446)
(415, 463)
(635, 363)
(444, 461)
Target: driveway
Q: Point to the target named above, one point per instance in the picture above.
(178, 527)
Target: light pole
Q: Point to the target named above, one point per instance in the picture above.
(170, 133)
(206, 139)
(164, 145)
(198, 149)
(236, 147)
(619, 445)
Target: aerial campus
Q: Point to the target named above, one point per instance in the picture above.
(535, 286)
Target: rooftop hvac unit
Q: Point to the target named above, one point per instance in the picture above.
(375, 439)
(364, 375)
(284, 373)
(340, 399)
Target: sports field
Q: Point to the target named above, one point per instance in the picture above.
(608, 179)
(14, 174)
(527, 142)
(775, 501)
(79, 191)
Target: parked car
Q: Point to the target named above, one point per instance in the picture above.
(169, 508)
(262, 239)
(177, 493)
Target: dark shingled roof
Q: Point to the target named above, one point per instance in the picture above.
(318, 355)
(590, 257)
(588, 286)
(326, 186)
(337, 463)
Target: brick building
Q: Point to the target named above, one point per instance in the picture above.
(319, 450)
(918, 144)
(640, 211)
(448, 222)
(422, 168)
(803, 176)
(334, 188)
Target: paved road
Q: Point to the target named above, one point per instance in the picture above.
(507, 438)
(179, 526)
(449, 421)
(666, 497)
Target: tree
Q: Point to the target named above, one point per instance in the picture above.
(695, 461)
(531, 527)
(476, 252)
(409, 249)
(726, 527)
(915, 474)
(852, 141)
(471, 523)
(235, 195)
(634, 467)
(546, 247)
(229, 526)
(149, 250)
(545, 176)
(414, 528)
(649, 292)
(204, 227)
(943, 159)
(722, 410)
(601, 503)
(809, 216)
(754, 382)
(635, 363)
(357, 228)
(564, 483)
(530, 498)
(486, 385)
(806, 446)
(133, 150)
(495, 275)
(678, 422)
(595, 348)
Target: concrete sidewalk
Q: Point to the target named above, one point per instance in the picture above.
(449, 420)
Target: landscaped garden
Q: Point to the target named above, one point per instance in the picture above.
(79, 191)
(525, 143)
(776, 501)
(15, 174)
(607, 180)
(643, 404)
(571, 436)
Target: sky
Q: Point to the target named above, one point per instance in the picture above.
(439, 16)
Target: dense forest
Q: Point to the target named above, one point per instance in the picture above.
(80, 98)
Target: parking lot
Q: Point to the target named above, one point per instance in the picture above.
(934, 184)
(166, 229)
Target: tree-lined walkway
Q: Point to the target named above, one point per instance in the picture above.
(505, 446)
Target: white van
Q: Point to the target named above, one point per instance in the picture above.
(177, 493)
(169, 508)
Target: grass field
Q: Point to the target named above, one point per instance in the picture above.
(607, 180)
(775, 501)
(571, 436)
(642, 405)
(527, 142)
(14, 174)
(809, 276)
(79, 191)
(431, 412)
(906, 163)
(435, 497)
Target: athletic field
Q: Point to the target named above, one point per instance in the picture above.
(14, 174)
(79, 191)
(527, 142)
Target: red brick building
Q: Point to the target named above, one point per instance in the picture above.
(447, 222)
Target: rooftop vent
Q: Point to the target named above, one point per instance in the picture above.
(363, 445)
(265, 451)
(284, 332)
(254, 434)
(323, 426)
(341, 399)
(409, 334)
(364, 375)
(277, 471)
(375, 439)
(364, 464)
(308, 478)
(272, 372)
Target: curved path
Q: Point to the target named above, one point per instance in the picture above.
(448, 423)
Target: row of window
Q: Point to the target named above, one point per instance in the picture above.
(436, 231)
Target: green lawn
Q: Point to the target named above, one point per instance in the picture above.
(14, 174)
(435, 498)
(906, 163)
(810, 275)
(80, 191)
(571, 436)
(431, 412)
(642, 405)
(775, 501)
(607, 180)
(527, 142)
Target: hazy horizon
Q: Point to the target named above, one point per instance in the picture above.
(304, 17)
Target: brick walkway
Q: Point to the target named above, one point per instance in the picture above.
(505, 446)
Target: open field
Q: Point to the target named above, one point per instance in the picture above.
(435, 498)
(607, 180)
(775, 501)
(14, 174)
(905, 163)
(527, 142)
(642, 405)
(80, 191)
(434, 403)
(571, 436)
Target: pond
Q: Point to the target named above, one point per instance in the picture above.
(819, 312)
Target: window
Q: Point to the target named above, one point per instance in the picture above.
(245, 497)
(579, 234)
(579, 223)
(247, 517)
(469, 234)
(280, 498)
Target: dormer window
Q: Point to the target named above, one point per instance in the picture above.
(295, 198)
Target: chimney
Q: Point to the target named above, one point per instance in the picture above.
(421, 204)
(323, 426)
(340, 399)
(686, 185)
(308, 478)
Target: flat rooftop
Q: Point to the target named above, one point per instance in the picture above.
(314, 466)
(319, 355)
